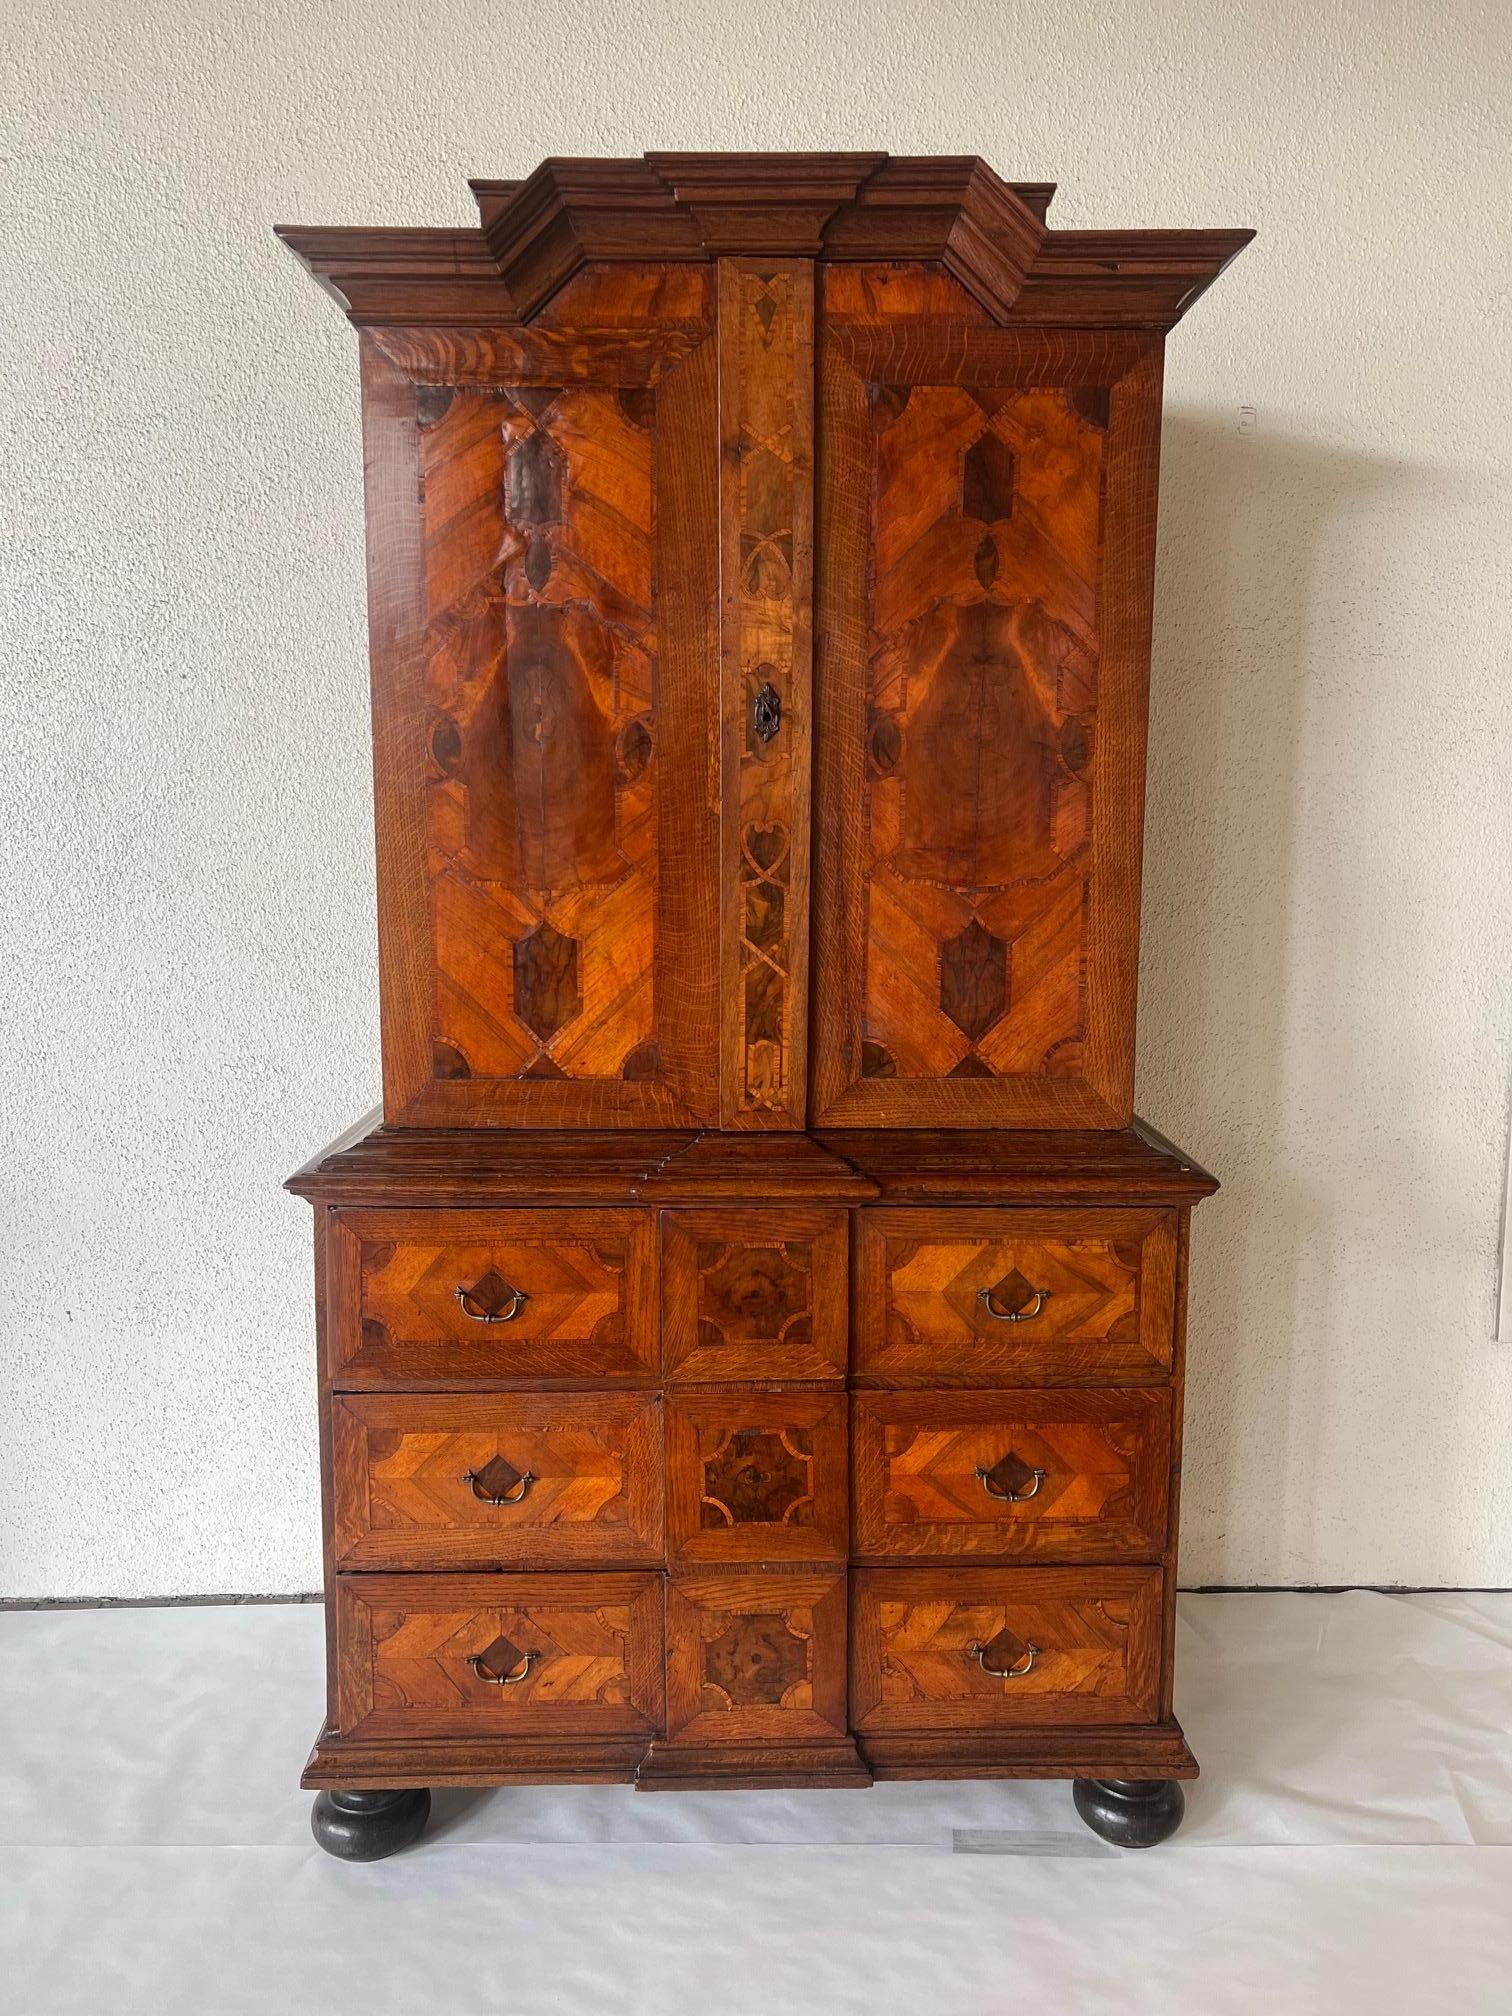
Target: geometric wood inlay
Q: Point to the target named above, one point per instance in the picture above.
(766, 507)
(982, 690)
(541, 645)
(963, 1648)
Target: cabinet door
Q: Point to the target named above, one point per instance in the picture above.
(986, 540)
(543, 572)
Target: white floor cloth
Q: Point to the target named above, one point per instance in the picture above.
(1349, 1847)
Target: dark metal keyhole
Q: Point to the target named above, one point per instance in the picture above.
(766, 711)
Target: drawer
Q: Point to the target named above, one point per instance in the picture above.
(756, 1658)
(468, 1655)
(492, 1297)
(996, 1648)
(490, 1480)
(1060, 1475)
(757, 1477)
(1004, 1297)
(754, 1295)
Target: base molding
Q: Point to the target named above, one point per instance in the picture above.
(671, 1766)
(1160, 1752)
(341, 1761)
(346, 1762)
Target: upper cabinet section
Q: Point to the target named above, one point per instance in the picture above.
(760, 552)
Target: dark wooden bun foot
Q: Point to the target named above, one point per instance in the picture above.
(366, 1826)
(1130, 1812)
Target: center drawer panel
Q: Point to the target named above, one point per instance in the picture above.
(488, 1480)
(1057, 1475)
(501, 1298)
(493, 1655)
(1002, 1297)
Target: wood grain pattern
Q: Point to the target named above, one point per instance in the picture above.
(753, 1658)
(754, 1295)
(411, 1165)
(406, 1640)
(1097, 1631)
(982, 683)
(757, 1477)
(1105, 1280)
(766, 368)
(588, 1279)
(1091, 1469)
(546, 731)
(580, 1476)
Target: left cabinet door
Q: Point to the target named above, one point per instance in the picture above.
(542, 507)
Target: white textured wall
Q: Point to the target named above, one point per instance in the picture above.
(190, 995)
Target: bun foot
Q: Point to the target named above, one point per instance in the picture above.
(1130, 1812)
(366, 1826)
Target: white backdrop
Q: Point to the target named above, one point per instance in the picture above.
(191, 1000)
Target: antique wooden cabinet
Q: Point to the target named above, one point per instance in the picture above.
(751, 1336)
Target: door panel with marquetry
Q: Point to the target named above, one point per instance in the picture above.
(543, 516)
(986, 522)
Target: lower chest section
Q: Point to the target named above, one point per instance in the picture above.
(754, 1495)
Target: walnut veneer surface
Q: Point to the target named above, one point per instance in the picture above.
(751, 1337)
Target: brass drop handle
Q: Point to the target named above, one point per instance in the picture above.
(521, 1672)
(1027, 1314)
(484, 1496)
(515, 1297)
(978, 1651)
(1006, 1493)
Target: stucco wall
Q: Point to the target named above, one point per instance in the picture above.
(188, 891)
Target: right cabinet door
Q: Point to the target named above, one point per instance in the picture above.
(986, 522)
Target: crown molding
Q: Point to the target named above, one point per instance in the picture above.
(665, 208)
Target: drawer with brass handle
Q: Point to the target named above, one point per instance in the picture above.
(493, 1298)
(964, 1648)
(1053, 1474)
(488, 1480)
(1007, 1297)
(464, 1655)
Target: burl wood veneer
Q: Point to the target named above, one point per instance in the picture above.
(751, 1336)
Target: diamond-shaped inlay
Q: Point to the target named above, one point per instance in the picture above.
(492, 1295)
(756, 1659)
(756, 1479)
(987, 488)
(499, 1658)
(1012, 1293)
(498, 1478)
(546, 990)
(1009, 1476)
(974, 979)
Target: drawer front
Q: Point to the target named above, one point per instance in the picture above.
(754, 1295)
(489, 1480)
(757, 1477)
(1003, 1297)
(997, 1648)
(754, 1658)
(467, 1655)
(495, 1297)
(1057, 1475)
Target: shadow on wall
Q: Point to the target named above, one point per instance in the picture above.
(1263, 642)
